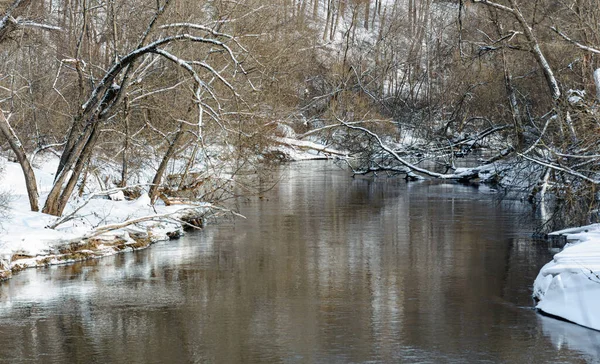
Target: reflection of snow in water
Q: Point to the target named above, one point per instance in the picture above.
(566, 335)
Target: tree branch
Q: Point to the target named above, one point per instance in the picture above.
(574, 42)
(467, 174)
(560, 169)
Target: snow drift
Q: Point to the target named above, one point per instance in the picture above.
(569, 285)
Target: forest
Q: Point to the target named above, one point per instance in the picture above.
(201, 91)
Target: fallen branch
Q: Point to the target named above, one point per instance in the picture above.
(111, 227)
(72, 215)
(464, 175)
(172, 216)
(314, 131)
(308, 145)
(471, 140)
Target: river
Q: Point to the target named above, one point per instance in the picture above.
(326, 268)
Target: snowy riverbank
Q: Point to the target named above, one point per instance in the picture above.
(98, 225)
(101, 222)
(569, 285)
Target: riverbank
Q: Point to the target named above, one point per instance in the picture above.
(99, 223)
(93, 226)
(569, 286)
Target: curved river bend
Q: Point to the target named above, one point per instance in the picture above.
(325, 269)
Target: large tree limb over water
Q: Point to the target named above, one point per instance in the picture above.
(465, 174)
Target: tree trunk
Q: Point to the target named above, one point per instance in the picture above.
(335, 19)
(513, 102)
(535, 45)
(367, 14)
(412, 16)
(327, 20)
(156, 181)
(597, 83)
(124, 168)
(537, 52)
(84, 158)
(53, 205)
(17, 148)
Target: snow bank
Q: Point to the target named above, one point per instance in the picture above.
(569, 285)
(26, 239)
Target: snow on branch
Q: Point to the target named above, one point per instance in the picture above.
(110, 227)
(181, 62)
(495, 5)
(154, 92)
(6, 19)
(255, 10)
(574, 42)
(303, 144)
(463, 175)
(531, 38)
(474, 139)
(172, 216)
(330, 126)
(560, 169)
(216, 74)
(32, 24)
(131, 57)
(205, 29)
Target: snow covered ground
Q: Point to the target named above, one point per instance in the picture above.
(90, 227)
(26, 240)
(569, 285)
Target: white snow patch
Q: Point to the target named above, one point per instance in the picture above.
(25, 233)
(575, 96)
(117, 196)
(569, 285)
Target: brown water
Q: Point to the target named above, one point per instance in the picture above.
(325, 269)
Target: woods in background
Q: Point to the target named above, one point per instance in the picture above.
(216, 84)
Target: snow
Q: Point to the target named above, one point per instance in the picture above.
(569, 285)
(575, 96)
(298, 150)
(29, 239)
(26, 240)
(597, 83)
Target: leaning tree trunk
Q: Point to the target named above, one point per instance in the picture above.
(82, 161)
(551, 80)
(52, 205)
(156, 181)
(537, 52)
(7, 131)
(17, 148)
(81, 154)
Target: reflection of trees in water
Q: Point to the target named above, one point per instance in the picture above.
(325, 269)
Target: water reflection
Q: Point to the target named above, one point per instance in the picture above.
(565, 336)
(325, 269)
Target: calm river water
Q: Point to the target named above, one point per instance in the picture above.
(324, 269)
